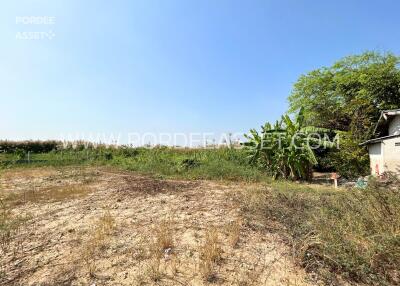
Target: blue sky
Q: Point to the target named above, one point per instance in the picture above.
(172, 66)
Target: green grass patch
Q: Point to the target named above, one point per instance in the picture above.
(217, 164)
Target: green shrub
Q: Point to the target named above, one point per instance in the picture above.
(189, 163)
(108, 156)
(350, 160)
(19, 154)
(128, 152)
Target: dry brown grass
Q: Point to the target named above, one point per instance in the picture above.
(351, 234)
(174, 264)
(148, 250)
(13, 230)
(11, 226)
(46, 195)
(210, 255)
(5, 218)
(98, 239)
(140, 250)
(163, 237)
(154, 269)
(159, 249)
(233, 231)
(139, 279)
(30, 173)
(246, 278)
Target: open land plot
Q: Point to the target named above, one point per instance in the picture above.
(98, 226)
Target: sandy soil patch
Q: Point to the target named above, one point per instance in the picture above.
(86, 226)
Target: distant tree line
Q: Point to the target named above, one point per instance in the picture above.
(29, 146)
(38, 146)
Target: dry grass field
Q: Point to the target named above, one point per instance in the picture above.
(99, 226)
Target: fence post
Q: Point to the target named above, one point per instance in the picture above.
(29, 157)
(334, 177)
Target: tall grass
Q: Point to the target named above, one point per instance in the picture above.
(220, 164)
(224, 163)
(353, 233)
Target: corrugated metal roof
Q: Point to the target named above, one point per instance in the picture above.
(380, 139)
(385, 114)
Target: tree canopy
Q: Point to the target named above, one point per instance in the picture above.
(349, 95)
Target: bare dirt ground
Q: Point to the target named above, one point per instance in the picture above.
(87, 226)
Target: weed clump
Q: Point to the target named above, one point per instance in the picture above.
(210, 255)
(98, 239)
(163, 238)
(187, 164)
(156, 249)
(233, 231)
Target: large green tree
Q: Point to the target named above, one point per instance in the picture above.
(349, 95)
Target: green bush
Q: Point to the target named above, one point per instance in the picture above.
(108, 156)
(189, 163)
(350, 160)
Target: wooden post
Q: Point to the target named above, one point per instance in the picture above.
(334, 177)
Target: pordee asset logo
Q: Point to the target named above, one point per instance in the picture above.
(33, 21)
(35, 35)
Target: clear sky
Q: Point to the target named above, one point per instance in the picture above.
(171, 66)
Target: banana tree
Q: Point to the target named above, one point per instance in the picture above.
(286, 148)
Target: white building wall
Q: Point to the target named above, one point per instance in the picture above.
(391, 154)
(394, 126)
(376, 158)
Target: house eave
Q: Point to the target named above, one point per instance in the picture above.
(380, 139)
(385, 114)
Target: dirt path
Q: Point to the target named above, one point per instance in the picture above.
(99, 227)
